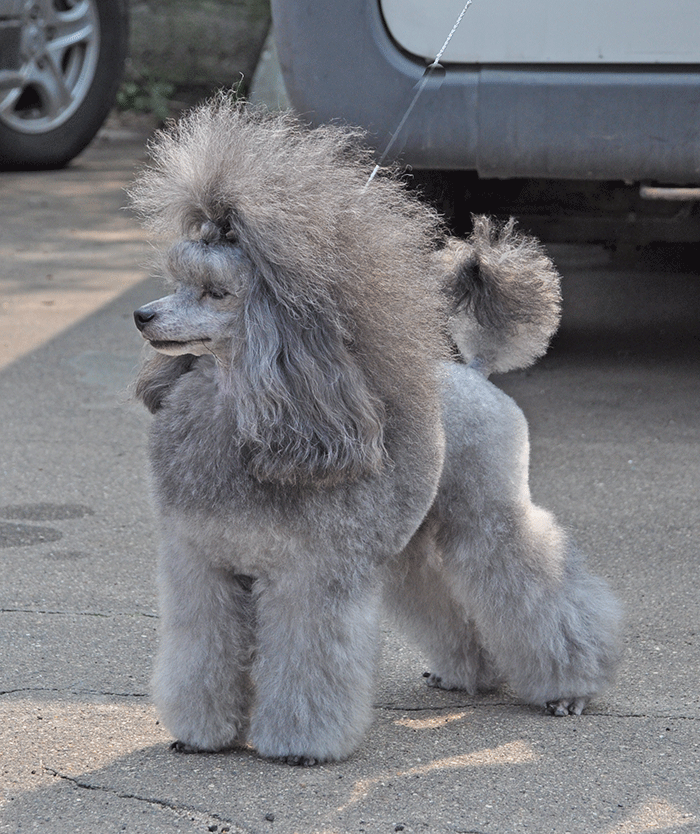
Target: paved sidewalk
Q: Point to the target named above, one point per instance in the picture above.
(613, 411)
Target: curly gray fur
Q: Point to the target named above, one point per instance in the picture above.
(506, 296)
(324, 346)
(311, 436)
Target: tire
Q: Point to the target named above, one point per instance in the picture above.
(73, 54)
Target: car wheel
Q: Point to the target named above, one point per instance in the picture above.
(68, 67)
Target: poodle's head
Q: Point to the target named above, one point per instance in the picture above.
(205, 311)
(316, 295)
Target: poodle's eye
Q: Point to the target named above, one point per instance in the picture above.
(217, 293)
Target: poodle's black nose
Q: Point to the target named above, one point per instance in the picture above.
(143, 316)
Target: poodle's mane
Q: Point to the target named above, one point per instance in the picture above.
(344, 283)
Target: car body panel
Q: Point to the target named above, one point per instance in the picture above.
(637, 122)
(548, 31)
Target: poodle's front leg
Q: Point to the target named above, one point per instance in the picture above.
(201, 681)
(315, 664)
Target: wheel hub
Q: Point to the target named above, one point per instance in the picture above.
(59, 48)
(34, 40)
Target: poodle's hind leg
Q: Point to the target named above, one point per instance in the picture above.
(201, 682)
(418, 596)
(551, 627)
(315, 663)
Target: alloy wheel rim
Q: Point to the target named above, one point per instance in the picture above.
(60, 46)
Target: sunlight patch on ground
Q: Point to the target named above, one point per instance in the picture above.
(512, 753)
(656, 815)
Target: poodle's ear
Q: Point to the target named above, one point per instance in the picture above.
(157, 376)
(305, 412)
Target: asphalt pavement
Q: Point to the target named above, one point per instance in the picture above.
(613, 411)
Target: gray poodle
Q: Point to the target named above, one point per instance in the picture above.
(325, 440)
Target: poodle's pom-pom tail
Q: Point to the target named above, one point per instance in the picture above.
(506, 295)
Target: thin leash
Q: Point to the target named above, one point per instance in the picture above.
(436, 69)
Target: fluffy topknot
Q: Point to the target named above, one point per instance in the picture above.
(290, 195)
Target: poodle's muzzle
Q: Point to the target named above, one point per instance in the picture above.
(158, 324)
(204, 312)
(191, 320)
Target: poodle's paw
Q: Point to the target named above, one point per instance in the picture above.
(438, 682)
(299, 761)
(487, 683)
(183, 747)
(566, 706)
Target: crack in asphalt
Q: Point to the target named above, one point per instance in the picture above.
(500, 704)
(74, 692)
(393, 708)
(79, 613)
(206, 816)
(381, 707)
